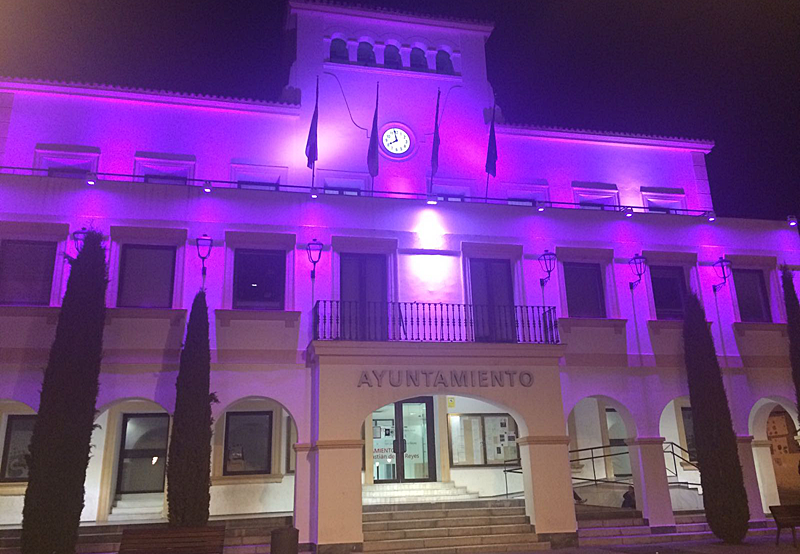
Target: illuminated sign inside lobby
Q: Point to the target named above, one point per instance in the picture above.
(448, 379)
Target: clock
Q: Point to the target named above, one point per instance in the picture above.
(396, 141)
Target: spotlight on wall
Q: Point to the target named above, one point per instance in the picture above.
(91, 179)
(628, 212)
(207, 187)
(712, 217)
(639, 266)
(314, 193)
(792, 221)
(722, 268)
(539, 206)
(432, 200)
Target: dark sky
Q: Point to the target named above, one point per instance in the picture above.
(728, 70)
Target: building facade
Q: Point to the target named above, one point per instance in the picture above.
(494, 338)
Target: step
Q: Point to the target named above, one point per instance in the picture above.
(373, 493)
(440, 514)
(442, 542)
(477, 503)
(399, 525)
(415, 500)
(432, 532)
(482, 549)
(613, 531)
(658, 538)
(410, 486)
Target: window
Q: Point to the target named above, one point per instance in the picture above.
(751, 292)
(669, 291)
(584, 286)
(482, 439)
(365, 54)
(363, 294)
(598, 196)
(162, 179)
(143, 453)
(339, 51)
(19, 429)
(391, 57)
(26, 272)
(146, 276)
(443, 63)
(248, 443)
(67, 172)
(418, 60)
(688, 431)
(259, 279)
(492, 300)
(291, 440)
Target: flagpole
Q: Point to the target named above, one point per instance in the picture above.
(486, 196)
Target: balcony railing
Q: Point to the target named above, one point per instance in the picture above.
(433, 322)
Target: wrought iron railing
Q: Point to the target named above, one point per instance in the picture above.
(433, 322)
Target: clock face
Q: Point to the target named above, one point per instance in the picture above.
(396, 141)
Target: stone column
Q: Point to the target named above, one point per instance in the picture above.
(338, 496)
(548, 488)
(650, 482)
(765, 473)
(304, 507)
(745, 446)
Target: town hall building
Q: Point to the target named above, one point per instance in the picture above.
(385, 342)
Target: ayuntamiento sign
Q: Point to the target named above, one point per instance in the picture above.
(446, 379)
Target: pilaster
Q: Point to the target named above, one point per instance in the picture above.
(650, 482)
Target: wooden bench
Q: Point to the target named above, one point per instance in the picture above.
(173, 540)
(786, 516)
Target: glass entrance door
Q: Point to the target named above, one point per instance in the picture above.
(402, 442)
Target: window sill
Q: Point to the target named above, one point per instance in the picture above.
(13, 488)
(246, 479)
(19, 310)
(658, 325)
(290, 319)
(686, 466)
(567, 323)
(176, 316)
(742, 328)
(405, 72)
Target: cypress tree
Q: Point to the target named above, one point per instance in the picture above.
(189, 460)
(793, 325)
(724, 494)
(60, 445)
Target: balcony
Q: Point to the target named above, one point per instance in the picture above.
(434, 322)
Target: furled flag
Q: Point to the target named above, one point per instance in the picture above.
(436, 140)
(311, 143)
(491, 154)
(372, 153)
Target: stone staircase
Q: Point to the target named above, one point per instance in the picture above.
(243, 535)
(411, 493)
(460, 527)
(634, 531)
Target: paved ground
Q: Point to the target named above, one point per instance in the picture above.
(757, 545)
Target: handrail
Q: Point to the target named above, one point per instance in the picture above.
(305, 189)
(434, 322)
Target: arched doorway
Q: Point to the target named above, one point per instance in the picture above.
(776, 450)
(598, 428)
(253, 459)
(466, 445)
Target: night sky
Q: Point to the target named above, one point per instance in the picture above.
(727, 70)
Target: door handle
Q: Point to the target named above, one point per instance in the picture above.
(395, 444)
(404, 446)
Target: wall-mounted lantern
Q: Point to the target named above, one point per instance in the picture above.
(78, 237)
(722, 268)
(548, 263)
(639, 266)
(204, 246)
(314, 251)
